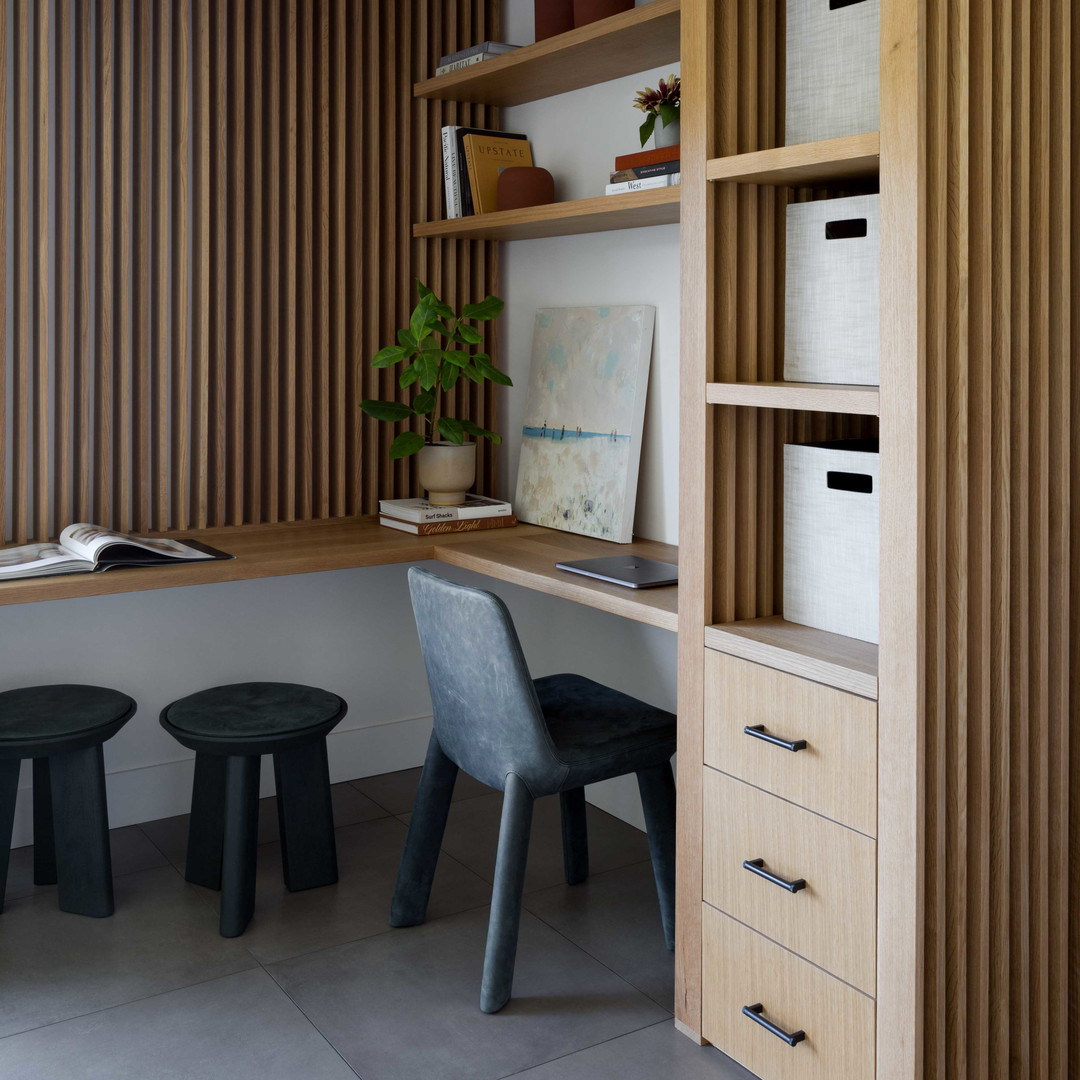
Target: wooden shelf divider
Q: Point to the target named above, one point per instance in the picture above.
(851, 157)
(806, 397)
(632, 41)
(635, 209)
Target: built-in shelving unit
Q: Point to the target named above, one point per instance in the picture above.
(641, 38)
(635, 209)
(851, 157)
(804, 397)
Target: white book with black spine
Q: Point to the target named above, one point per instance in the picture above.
(646, 184)
(421, 511)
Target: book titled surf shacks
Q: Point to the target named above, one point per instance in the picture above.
(485, 157)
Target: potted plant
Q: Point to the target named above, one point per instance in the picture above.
(663, 102)
(436, 349)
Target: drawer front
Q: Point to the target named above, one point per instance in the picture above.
(830, 919)
(835, 774)
(743, 969)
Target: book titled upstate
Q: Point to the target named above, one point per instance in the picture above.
(84, 549)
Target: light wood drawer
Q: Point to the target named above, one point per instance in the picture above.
(831, 919)
(835, 774)
(743, 969)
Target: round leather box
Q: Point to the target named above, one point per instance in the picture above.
(525, 185)
(553, 17)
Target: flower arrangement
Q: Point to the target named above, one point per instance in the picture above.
(662, 102)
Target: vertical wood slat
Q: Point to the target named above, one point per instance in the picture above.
(201, 272)
(273, 225)
(179, 244)
(83, 381)
(142, 267)
(104, 388)
(220, 317)
(20, 406)
(121, 343)
(159, 450)
(41, 381)
(235, 448)
(255, 265)
(289, 257)
(301, 414)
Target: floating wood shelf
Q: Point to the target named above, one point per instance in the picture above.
(807, 397)
(843, 662)
(635, 209)
(632, 41)
(852, 157)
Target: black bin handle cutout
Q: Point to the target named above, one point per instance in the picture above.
(850, 481)
(835, 5)
(851, 229)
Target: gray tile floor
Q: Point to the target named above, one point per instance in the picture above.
(320, 987)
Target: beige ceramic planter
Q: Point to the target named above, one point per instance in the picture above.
(447, 471)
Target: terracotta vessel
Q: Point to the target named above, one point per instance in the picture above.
(553, 17)
(589, 11)
(525, 185)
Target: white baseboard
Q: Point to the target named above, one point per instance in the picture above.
(164, 790)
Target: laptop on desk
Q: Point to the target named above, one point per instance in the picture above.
(631, 571)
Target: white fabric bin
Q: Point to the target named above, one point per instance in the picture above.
(832, 81)
(832, 536)
(832, 291)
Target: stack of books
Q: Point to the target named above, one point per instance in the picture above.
(644, 170)
(421, 518)
(472, 161)
(475, 54)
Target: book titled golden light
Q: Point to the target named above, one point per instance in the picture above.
(485, 157)
(439, 528)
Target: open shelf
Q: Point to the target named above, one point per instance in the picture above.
(633, 210)
(844, 662)
(807, 397)
(632, 41)
(849, 158)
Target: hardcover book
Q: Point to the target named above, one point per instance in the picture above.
(643, 172)
(440, 528)
(485, 157)
(454, 159)
(497, 48)
(647, 157)
(422, 511)
(671, 180)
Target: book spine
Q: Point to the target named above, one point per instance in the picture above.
(496, 48)
(457, 65)
(643, 172)
(443, 513)
(647, 157)
(441, 528)
(470, 172)
(450, 175)
(642, 185)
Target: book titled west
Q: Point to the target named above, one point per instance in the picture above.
(84, 549)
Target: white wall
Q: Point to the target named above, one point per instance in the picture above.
(351, 630)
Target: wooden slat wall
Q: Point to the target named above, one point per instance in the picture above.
(226, 239)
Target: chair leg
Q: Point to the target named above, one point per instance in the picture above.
(206, 825)
(657, 787)
(44, 838)
(305, 817)
(240, 843)
(575, 835)
(509, 884)
(81, 828)
(421, 854)
(9, 790)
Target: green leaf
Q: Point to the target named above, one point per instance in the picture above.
(451, 430)
(386, 410)
(407, 340)
(458, 359)
(472, 374)
(470, 335)
(410, 374)
(421, 322)
(488, 308)
(646, 129)
(424, 403)
(442, 328)
(388, 356)
(423, 291)
(669, 113)
(408, 442)
(449, 376)
(479, 432)
(492, 372)
(429, 371)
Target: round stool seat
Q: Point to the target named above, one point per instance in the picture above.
(252, 713)
(68, 714)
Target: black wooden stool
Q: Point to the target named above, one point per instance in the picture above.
(62, 728)
(230, 728)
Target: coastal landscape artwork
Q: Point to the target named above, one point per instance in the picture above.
(584, 415)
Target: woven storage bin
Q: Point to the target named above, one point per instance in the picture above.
(832, 80)
(831, 536)
(832, 291)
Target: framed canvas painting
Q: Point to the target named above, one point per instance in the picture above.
(584, 415)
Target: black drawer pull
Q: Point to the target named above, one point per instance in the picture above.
(755, 1011)
(757, 866)
(758, 732)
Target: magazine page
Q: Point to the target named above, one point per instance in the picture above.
(30, 560)
(88, 541)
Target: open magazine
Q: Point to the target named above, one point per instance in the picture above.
(84, 548)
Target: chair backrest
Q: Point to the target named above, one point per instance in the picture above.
(487, 717)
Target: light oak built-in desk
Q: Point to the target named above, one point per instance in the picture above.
(524, 555)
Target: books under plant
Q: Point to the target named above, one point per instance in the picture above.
(497, 48)
(421, 511)
(485, 157)
(671, 180)
(84, 548)
(643, 172)
(437, 528)
(459, 201)
(647, 157)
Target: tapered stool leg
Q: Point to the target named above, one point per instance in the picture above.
(657, 787)
(9, 790)
(575, 835)
(206, 825)
(421, 854)
(81, 828)
(305, 817)
(509, 884)
(44, 838)
(240, 845)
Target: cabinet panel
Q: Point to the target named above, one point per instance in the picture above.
(831, 919)
(834, 774)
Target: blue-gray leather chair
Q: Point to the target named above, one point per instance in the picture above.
(527, 739)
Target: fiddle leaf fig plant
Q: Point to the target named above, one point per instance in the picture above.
(436, 349)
